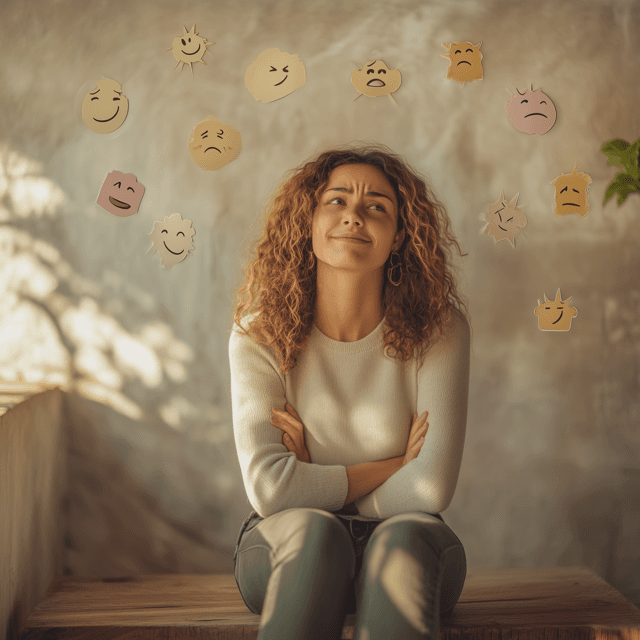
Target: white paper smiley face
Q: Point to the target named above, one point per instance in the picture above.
(213, 144)
(172, 239)
(274, 74)
(104, 109)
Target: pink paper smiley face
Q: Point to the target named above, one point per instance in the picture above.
(121, 194)
(531, 111)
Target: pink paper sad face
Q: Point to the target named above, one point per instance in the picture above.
(121, 194)
(531, 111)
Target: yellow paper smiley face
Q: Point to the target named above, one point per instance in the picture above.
(465, 61)
(189, 48)
(571, 193)
(104, 109)
(555, 315)
(274, 74)
(376, 79)
(172, 239)
(213, 144)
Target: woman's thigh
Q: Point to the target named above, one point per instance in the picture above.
(292, 534)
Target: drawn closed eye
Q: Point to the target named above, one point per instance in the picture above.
(180, 233)
(544, 102)
(116, 98)
(523, 101)
(272, 69)
(458, 51)
(164, 231)
(576, 191)
(130, 189)
(511, 218)
(563, 190)
(118, 184)
(370, 71)
(467, 51)
(92, 99)
(382, 71)
(286, 69)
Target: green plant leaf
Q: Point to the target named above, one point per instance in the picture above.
(623, 185)
(616, 152)
(632, 153)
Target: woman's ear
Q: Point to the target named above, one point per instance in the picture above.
(399, 239)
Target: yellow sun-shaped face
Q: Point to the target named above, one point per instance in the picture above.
(465, 61)
(213, 144)
(504, 219)
(376, 79)
(274, 74)
(555, 315)
(531, 111)
(172, 239)
(189, 48)
(104, 109)
(571, 193)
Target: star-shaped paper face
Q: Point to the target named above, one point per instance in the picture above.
(172, 239)
(466, 61)
(531, 111)
(504, 219)
(189, 48)
(274, 74)
(376, 79)
(571, 193)
(555, 315)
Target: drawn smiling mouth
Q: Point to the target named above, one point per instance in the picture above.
(111, 118)
(558, 320)
(191, 54)
(535, 114)
(169, 250)
(216, 148)
(376, 82)
(281, 81)
(502, 228)
(118, 203)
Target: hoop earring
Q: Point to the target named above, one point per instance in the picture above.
(392, 267)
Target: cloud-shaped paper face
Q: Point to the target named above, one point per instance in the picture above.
(274, 74)
(104, 109)
(172, 239)
(120, 194)
(465, 61)
(213, 144)
(376, 79)
(504, 219)
(531, 111)
(555, 315)
(571, 193)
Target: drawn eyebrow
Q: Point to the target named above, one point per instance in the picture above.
(368, 193)
(92, 92)
(564, 189)
(372, 63)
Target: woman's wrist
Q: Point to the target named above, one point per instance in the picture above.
(364, 478)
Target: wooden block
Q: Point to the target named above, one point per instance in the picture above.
(559, 603)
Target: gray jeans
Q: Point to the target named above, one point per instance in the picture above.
(303, 570)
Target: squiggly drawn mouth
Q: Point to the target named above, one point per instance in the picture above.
(376, 82)
(281, 81)
(191, 54)
(118, 203)
(111, 118)
(169, 250)
(535, 114)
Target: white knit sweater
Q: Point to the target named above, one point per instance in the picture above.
(357, 405)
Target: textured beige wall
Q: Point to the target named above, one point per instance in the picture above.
(550, 472)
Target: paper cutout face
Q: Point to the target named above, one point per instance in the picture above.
(213, 144)
(376, 79)
(466, 61)
(555, 315)
(571, 193)
(121, 194)
(189, 48)
(531, 111)
(104, 109)
(274, 74)
(504, 219)
(172, 239)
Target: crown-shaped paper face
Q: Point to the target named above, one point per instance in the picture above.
(466, 61)
(555, 315)
(213, 144)
(189, 48)
(375, 79)
(274, 74)
(504, 219)
(172, 239)
(571, 193)
(531, 111)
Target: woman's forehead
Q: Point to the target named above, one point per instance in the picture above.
(355, 174)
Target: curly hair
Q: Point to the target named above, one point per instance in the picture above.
(281, 279)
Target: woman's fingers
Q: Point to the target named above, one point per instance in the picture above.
(418, 429)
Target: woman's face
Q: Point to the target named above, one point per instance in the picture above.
(358, 200)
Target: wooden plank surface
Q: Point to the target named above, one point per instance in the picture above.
(554, 603)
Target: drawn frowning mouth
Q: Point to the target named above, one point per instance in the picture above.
(216, 148)
(118, 203)
(535, 114)
(169, 250)
(111, 118)
(376, 82)
(464, 62)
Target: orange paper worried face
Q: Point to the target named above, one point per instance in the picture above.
(531, 111)
(213, 144)
(104, 109)
(120, 194)
(376, 79)
(466, 61)
(571, 193)
(172, 239)
(504, 219)
(555, 315)
(274, 74)
(189, 48)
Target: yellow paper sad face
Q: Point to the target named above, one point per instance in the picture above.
(172, 239)
(213, 144)
(465, 61)
(274, 74)
(376, 79)
(555, 315)
(104, 109)
(571, 193)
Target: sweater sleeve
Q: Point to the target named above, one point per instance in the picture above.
(273, 477)
(428, 482)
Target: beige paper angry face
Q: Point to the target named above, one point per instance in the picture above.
(172, 239)
(571, 193)
(504, 219)
(274, 74)
(465, 61)
(375, 79)
(213, 144)
(104, 109)
(189, 48)
(555, 315)
(531, 112)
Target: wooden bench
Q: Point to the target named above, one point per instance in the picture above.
(552, 604)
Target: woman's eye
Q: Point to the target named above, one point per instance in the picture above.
(379, 207)
(335, 201)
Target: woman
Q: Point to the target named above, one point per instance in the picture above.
(346, 480)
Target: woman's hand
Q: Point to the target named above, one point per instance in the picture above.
(293, 436)
(419, 428)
